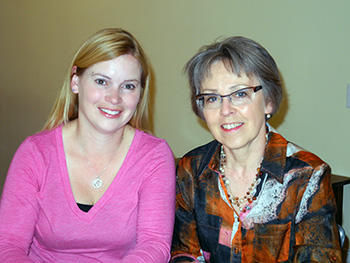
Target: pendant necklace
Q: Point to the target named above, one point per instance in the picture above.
(97, 182)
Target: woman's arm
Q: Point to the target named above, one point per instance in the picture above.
(185, 247)
(18, 207)
(316, 238)
(156, 211)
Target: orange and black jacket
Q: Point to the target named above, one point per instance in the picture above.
(291, 220)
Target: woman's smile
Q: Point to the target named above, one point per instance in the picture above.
(111, 114)
(234, 126)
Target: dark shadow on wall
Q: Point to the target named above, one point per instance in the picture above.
(279, 117)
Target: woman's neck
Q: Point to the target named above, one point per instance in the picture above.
(95, 144)
(247, 158)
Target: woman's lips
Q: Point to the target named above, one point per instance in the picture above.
(232, 126)
(111, 114)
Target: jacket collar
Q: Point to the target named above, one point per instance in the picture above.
(274, 161)
(214, 162)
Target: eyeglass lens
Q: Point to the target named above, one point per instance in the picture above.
(240, 97)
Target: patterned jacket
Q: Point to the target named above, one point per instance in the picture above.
(292, 219)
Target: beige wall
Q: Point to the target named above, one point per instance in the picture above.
(310, 41)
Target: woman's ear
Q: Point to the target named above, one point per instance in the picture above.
(73, 71)
(268, 107)
(74, 80)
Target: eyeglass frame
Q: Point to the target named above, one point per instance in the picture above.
(255, 89)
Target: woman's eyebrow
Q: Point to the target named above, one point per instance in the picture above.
(131, 80)
(232, 88)
(99, 74)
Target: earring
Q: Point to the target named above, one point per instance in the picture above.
(267, 116)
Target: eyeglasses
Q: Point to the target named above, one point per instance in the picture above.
(239, 97)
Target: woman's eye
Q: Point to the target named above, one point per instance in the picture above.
(240, 94)
(211, 99)
(101, 82)
(129, 86)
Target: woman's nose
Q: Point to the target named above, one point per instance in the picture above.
(227, 107)
(113, 96)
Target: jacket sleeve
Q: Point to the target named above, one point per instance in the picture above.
(316, 236)
(156, 211)
(18, 207)
(185, 245)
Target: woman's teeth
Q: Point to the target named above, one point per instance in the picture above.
(111, 112)
(231, 125)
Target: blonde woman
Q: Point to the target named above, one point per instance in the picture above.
(92, 186)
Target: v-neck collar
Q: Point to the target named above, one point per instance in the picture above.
(88, 216)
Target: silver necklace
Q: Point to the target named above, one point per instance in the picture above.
(243, 203)
(97, 182)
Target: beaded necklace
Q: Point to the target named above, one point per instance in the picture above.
(243, 203)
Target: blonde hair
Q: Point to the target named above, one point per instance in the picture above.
(104, 45)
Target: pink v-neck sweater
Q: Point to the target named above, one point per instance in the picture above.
(132, 222)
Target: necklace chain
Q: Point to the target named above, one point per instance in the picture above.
(97, 182)
(243, 203)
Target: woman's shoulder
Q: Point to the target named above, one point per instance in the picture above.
(150, 152)
(146, 142)
(46, 134)
(297, 152)
(35, 152)
(42, 139)
(202, 150)
(197, 159)
(280, 145)
(148, 139)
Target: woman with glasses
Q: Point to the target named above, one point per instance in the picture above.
(250, 195)
(93, 186)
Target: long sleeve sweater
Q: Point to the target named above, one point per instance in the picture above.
(132, 222)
